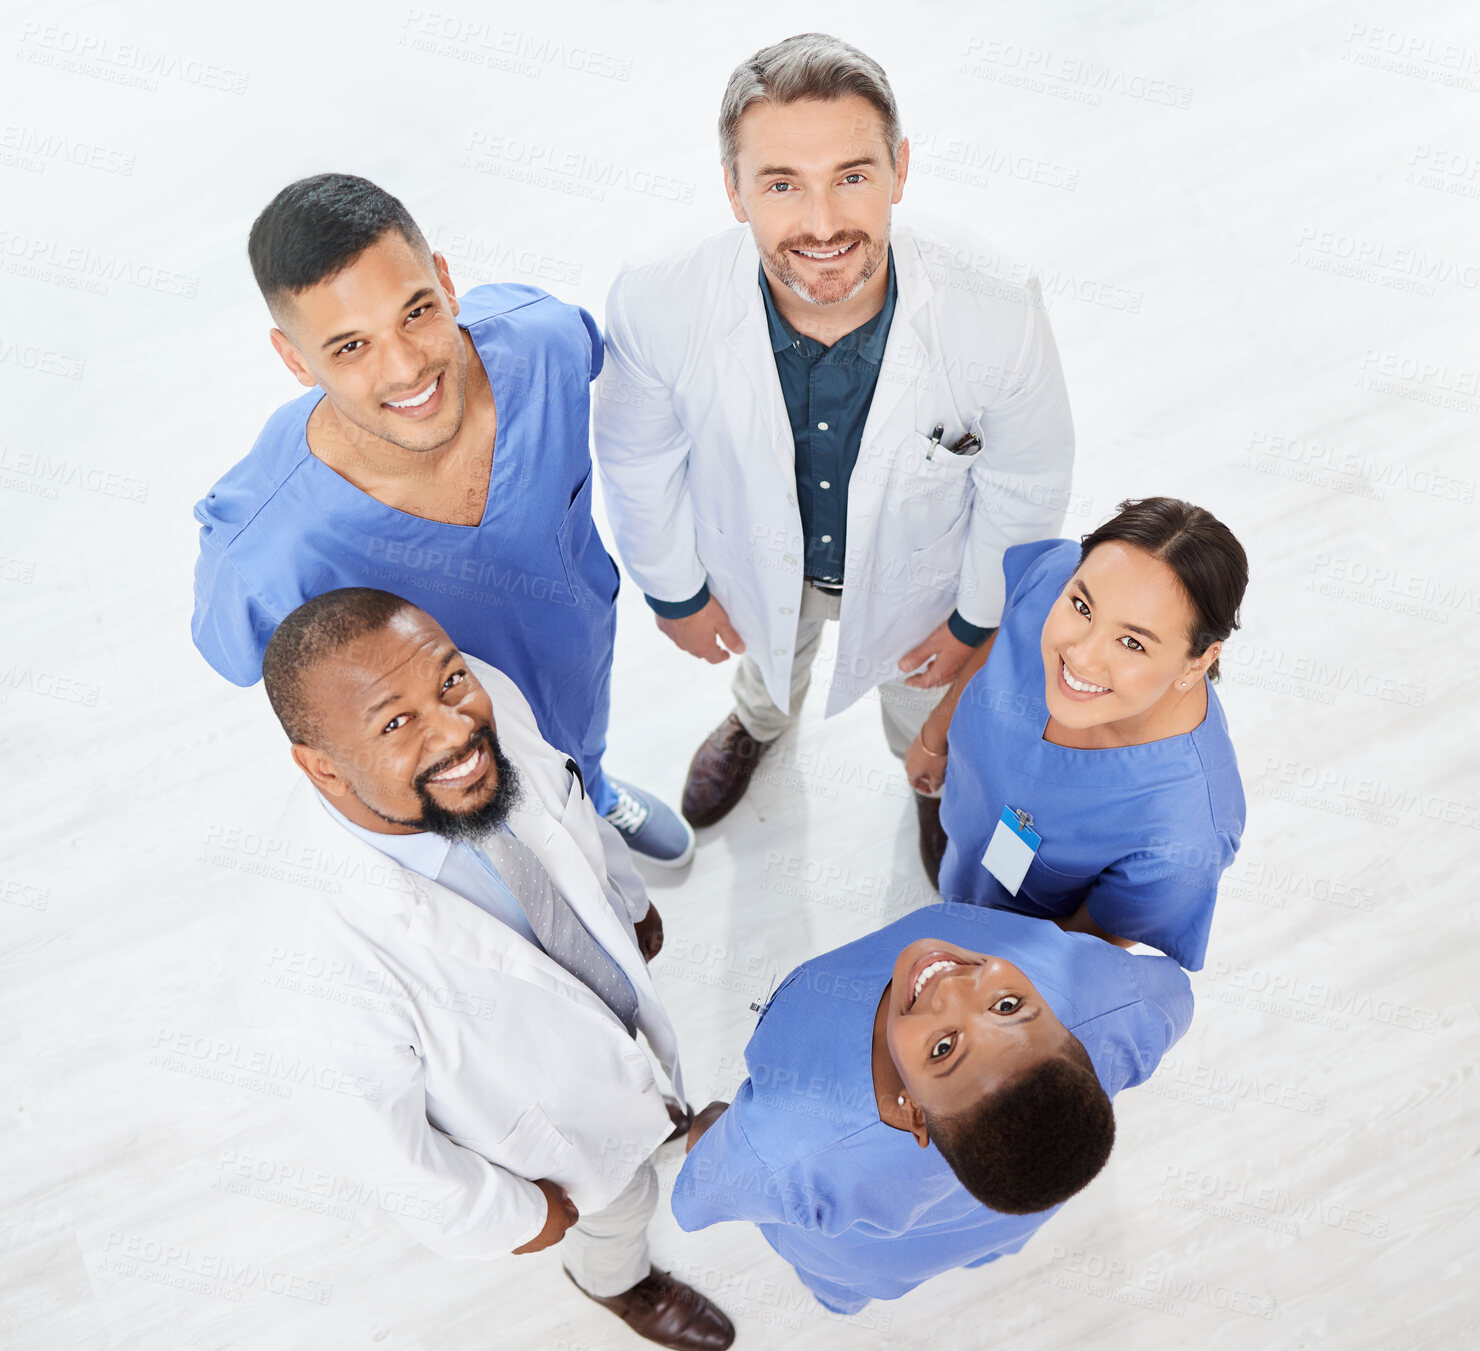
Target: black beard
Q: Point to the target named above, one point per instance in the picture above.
(473, 824)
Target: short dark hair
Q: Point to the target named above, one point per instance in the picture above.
(1034, 1142)
(315, 228)
(317, 629)
(1209, 562)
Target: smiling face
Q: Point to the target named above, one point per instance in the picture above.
(408, 736)
(962, 1024)
(381, 338)
(815, 182)
(1115, 642)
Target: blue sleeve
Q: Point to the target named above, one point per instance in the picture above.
(1166, 1003)
(230, 625)
(679, 609)
(598, 349)
(724, 1177)
(1128, 1043)
(1164, 896)
(1025, 566)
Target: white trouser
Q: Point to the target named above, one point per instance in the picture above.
(904, 708)
(607, 1252)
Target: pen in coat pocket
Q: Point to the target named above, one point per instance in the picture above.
(968, 444)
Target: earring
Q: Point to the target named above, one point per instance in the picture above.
(1184, 684)
(900, 1100)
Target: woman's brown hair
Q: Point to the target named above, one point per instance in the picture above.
(1209, 562)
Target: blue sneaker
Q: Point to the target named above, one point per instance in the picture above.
(651, 828)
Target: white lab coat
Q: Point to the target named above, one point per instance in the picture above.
(698, 463)
(433, 1052)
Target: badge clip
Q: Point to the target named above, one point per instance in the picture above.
(1011, 850)
(760, 1005)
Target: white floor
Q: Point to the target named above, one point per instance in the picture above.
(1257, 228)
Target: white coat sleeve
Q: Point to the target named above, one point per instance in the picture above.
(1023, 469)
(365, 1108)
(642, 451)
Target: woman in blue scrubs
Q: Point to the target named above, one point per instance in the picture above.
(924, 1098)
(1089, 775)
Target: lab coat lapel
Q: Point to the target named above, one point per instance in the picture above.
(439, 918)
(572, 855)
(539, 824)
(574, 878)
(907, 364)
(354, 874)
(907, 352)
(552, 795)
(447, 922)
(749, 346)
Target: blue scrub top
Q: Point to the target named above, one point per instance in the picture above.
(857, 1207)
(530, 589)
(1142, 832)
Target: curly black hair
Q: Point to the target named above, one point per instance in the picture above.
(1035, 1142)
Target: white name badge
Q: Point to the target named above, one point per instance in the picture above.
(1011, 850)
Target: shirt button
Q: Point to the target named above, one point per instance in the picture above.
(778, 651)
(824, 484)
(827, 539)
(822, 426)
(786, 610)
(791, 499)
(790, 560)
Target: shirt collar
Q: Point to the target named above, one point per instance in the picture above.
(867, 339)
(422, 853)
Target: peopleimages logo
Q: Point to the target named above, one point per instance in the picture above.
(130, 64)
(80, 267)
(1067, 77)
(1368, 790)
(34, 148)
(505, 49)
(1257, 1199)
(1292, 996)
(573, 172)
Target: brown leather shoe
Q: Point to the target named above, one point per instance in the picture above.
(932, 837)
(720, 772)
(670, 1313)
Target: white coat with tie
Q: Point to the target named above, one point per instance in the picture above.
(429, 1049)
(698, 464)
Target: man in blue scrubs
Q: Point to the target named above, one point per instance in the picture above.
(442, 454)
(925, 1098)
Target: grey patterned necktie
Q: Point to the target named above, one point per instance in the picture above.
(560, 931)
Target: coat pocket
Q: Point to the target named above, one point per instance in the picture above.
(533, 1147)
(937, 566)
(716, 550)
(921, 468)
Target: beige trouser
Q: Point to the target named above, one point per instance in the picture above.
(607, 1252)
(903, 707)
